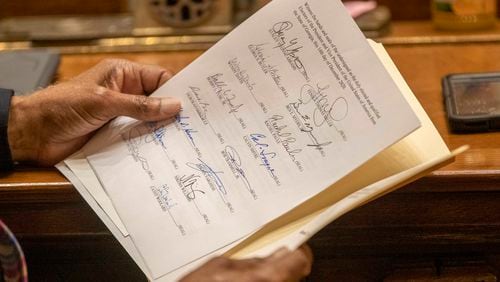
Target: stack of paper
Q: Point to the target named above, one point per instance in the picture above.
(288, 122)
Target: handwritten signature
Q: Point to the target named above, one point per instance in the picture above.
(325, 111)
(189, 186)
(289, 47)
(163, 197)
(210, 174)
(185, 126)
(134, 140)
(225, 95)
(235, 160)
(303, 121)
(257, 50)
(241, 74)
(157, 134)
(265, 156)
(283, 137)
(199, 105)
(196, 92)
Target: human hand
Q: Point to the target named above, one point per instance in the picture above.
(46, 127)
(283, 265)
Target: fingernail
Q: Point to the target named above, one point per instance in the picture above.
(170, 105)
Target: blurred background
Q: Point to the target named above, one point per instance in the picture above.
(28, 23)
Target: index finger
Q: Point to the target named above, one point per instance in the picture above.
(126, 76)
(152, 77)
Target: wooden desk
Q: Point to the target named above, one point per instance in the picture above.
(448, 219)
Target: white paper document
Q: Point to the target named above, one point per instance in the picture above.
(79, 166)
(285, 105)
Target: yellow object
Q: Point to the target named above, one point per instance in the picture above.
(463, 14)
(409, 159)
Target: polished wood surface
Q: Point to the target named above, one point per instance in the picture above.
(448, 219)
(422, 66)
(410, 9)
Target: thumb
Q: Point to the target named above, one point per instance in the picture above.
(296, 264)
(143, 107)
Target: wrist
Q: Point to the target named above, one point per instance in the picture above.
(20, 130)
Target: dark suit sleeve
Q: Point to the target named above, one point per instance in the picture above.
(6, 163)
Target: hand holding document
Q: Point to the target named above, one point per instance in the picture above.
(292, 101)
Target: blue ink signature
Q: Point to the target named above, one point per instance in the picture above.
(210, 173)
(264, 155)
(157, 132)
(185, 126)
(163, 197)
(234, 158)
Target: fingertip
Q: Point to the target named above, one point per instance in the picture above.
(297, 263)
(142, 107)
(170, 106)
(307, 251)
(304, 256)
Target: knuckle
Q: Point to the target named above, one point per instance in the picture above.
(102, 98)
(142, 103)
(113, 62)
(103, 95)
(115, 66)
(102, 91)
